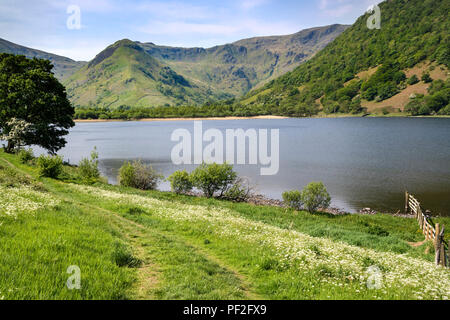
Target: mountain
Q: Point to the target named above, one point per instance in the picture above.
(143, 74)
(124, 74)
(379, 70)
(238, 67)
(63, 67)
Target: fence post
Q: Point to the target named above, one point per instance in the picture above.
(447, 257)
(419, 216)
(438, 254)
(406, 202)
(443, 257)
(440, 258)
(437, 240)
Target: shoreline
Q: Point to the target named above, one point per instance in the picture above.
(255, 118)
(184, 119)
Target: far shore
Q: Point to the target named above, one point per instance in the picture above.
(320, 116)
(183, 119)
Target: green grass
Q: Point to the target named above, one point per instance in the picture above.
(131, 244)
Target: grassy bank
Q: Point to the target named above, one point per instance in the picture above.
(153, 245)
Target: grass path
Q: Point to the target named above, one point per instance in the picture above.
(149, 275)
(193, 248)
(273, 257)
(171, 268)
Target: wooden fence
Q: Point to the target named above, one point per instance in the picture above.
(432, 233)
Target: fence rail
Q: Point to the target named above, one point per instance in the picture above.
(432, 233)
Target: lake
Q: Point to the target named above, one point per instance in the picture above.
(364, 162)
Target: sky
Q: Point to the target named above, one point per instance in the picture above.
(52, 25)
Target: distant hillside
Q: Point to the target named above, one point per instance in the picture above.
(194, 75)
(63, 67)
(375, 69)
(125, 75)
(238, 67)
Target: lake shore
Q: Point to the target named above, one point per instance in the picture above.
(334, 116)
(184, 119)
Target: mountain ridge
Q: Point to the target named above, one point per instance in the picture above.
(63, 67)
(201, 74)
(413, 33)
(219, 72)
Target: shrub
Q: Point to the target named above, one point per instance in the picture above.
(413, 107)
(25, 156)
(293, 199)
(239, 191)
(138, 175)
(445, 111)
(387, 90)
(11, 178)
(427, 78)
(424, 110)
(88, 168)
(49, 166)
(413, 80)
(315, 196)
(180, 182)
(213, 178)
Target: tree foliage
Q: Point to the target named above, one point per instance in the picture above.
(180, 182)
(138, 175)
(412, 31)
(315, 196)
(436, 102)
(17, 132)
(30, 92)
(214, 178)
(88, 168)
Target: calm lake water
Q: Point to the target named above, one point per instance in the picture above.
(364, 162)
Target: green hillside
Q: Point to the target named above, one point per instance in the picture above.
(365, 67)
(238, 67)
(129, 73)
(125, 75)
(63, 67)
(131, 244)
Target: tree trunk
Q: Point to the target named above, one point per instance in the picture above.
(10, 147)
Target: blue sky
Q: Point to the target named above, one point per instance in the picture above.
(41, 24)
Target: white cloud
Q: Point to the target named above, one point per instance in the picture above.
(176, 10)
(232, 29)
(173, 28)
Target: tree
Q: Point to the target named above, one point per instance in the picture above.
(89, 167)
(212, 178)
(315, 196)
(17, 132)
(413, 80)
(180, 182)
(293, 199)
(139, 176)
(426, 78)
(30, 92)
